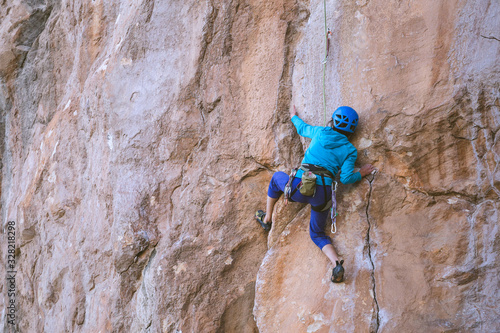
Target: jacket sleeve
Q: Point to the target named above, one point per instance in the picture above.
(305, 129)
(347, 176)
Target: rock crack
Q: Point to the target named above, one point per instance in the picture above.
(376, 318)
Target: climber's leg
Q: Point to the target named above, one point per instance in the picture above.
(277, 184)
(276, 187)
(330, 252)
(317, 232)
(317, 226)
(270, 209)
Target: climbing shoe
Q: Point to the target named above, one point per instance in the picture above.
(338, 272)
(259, 216)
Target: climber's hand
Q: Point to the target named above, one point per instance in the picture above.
(293, 112)
(366, 170)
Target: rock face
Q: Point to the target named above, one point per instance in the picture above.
(139, 138)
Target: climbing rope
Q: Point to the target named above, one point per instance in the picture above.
(327, 46)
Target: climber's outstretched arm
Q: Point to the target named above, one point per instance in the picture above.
(302, 127)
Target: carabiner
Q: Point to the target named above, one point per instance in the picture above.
(334, 227)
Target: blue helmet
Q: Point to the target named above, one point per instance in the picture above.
(345, 119)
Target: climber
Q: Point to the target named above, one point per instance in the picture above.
(328, 152)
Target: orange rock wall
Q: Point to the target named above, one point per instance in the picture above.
(139, 138)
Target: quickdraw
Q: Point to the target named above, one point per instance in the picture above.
(334, 208)
(288, 187)
(328, 34)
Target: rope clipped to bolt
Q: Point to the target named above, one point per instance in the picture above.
(328, 33)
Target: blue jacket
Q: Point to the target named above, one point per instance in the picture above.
(330, 150)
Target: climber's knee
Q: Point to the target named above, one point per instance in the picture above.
(317, 226)
(319, 238)
(277, 184)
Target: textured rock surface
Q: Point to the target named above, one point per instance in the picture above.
(139, 137)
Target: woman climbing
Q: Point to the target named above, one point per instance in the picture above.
(328, 152)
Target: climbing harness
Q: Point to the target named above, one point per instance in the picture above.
(307, 169)
(334, 207)
(322, 172)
